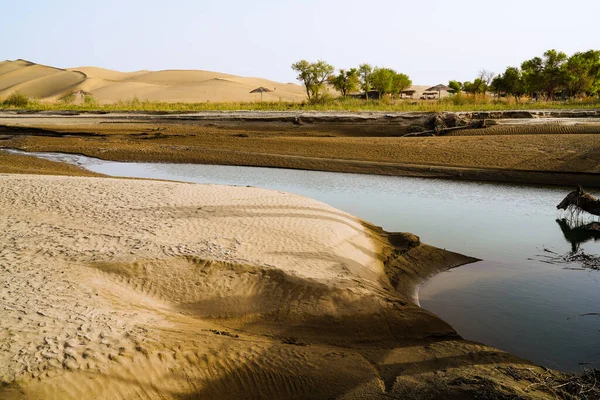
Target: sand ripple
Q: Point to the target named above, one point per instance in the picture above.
(117, 288)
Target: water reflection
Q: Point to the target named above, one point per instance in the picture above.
(579, 234)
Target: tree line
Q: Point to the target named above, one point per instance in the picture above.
(554, 75)
(315, 75)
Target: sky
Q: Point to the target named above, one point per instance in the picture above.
(433, 41)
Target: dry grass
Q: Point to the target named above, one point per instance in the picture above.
(453, 103)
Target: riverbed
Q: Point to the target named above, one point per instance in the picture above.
(513, 299)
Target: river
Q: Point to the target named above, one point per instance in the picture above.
(512, 300)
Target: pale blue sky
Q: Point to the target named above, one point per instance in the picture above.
(430, 40)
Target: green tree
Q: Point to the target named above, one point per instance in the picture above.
(313, 76)
(513, 81)
(555, 77)
(365, 71)
(475, 87)
(497, 86)
(456, 86)
(346, 81)
(510, 83)
(582, 72)
(400, 82)
(594, 56)
(382, 80)
(545, 75)
(533, 78)
(486, 78)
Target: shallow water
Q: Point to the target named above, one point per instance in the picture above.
(511, 300)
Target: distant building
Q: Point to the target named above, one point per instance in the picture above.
(429, 95)
(408, 94)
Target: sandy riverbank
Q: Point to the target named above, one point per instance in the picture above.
(546, 147)
(128, 288)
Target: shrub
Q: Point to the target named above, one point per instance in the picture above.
(386, 100)
(322, 99)
(16, 100)
(89, 100)
(69, 99)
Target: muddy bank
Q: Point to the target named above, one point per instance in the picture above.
(408, 262)
(541, 147)
(312, 115)
(349, 123)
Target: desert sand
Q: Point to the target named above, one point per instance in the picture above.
(115, 288)
(52, 84)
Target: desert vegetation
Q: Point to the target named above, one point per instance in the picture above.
(17, 100)
(315, 75)
(553, 76)
(350, 104)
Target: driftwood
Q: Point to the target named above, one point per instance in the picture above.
(587, 261)
(441, 131)
(585, 385)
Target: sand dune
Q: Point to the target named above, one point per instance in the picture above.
(107, 74)
(179, 76)
(37, 80)
(46, 87)
(51, 84)
(8, 66)
(143, 289)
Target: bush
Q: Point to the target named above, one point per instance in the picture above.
(89, 100)
(459, 99)
(322, 99)
(386, 100)
(16, 100)
(69, 99)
